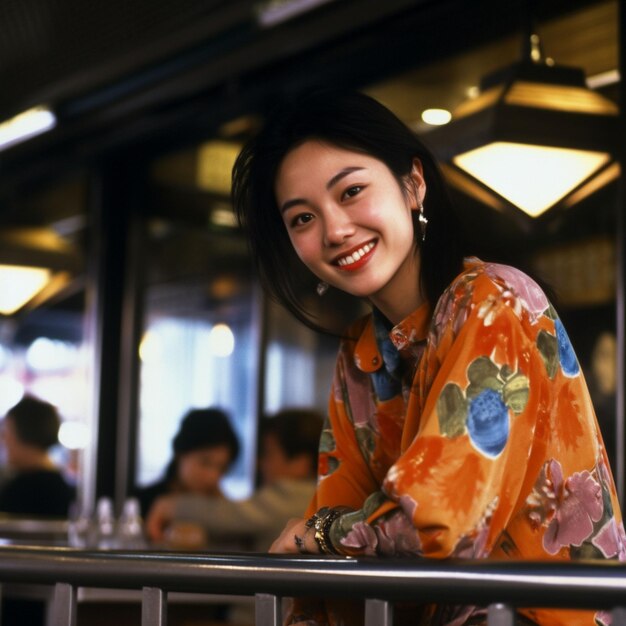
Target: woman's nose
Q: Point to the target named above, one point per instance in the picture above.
(337, 227)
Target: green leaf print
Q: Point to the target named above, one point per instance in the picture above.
(482, 369)
(482, 374)
(327, 441)
(551, 313)
(332, 464)
(372, 502)
(506, 372)
(515, 393)
(452, 410)
(549, 349)
(366, 440)
(345, 522)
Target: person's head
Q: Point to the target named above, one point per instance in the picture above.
(204, 449)
(30, 429)
(289, 442)
(294, 148)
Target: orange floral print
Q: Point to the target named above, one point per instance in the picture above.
(473, 436)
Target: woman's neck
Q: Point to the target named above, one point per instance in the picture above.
(402, 295)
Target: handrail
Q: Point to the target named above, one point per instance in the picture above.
(577, 585)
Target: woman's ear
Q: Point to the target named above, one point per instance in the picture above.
(416, 184)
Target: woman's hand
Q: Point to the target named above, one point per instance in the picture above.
(287, 542)
(160, 516)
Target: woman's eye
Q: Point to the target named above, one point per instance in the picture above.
(350, 192)
(301, 219)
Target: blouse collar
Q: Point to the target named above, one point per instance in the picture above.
(373, 346)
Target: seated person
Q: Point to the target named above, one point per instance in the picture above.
(204, 448)
(37, 487)
(287, 463)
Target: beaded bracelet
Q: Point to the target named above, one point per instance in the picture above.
(321, 523)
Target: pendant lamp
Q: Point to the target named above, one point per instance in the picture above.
(535, 138)
(35, 265)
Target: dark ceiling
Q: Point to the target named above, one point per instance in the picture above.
(146, 74)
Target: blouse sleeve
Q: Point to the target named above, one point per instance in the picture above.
(485, 396)
(344, 477)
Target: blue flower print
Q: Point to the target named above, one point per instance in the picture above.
(488, 422)
(567, 357)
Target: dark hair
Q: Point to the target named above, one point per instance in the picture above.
(36, 422)
(355, 122)
(203, 428)
(297, 432)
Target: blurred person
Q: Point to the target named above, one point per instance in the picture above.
(204, 447)
(288, 455)
(37, 486)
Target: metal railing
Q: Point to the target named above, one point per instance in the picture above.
(501, 586)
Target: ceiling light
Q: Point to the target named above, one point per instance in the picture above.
(534, 136)
(221, 340)
(19, 284)
(274, 12)
(508, 168)
(26, 125)
(35, 265)
(436, 117)
(215, 165)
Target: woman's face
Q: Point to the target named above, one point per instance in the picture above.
(200, 471)
(350, 222)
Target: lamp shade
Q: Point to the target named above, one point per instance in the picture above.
(19, 284)
(535, 135)
(34, 264)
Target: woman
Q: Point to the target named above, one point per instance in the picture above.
(287, 467)
(459, 423)
(204, 447)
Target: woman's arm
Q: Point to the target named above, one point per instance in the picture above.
(457, 483)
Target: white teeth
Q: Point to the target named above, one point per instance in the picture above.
(356, 255)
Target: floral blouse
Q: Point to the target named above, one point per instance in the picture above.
(467, 433)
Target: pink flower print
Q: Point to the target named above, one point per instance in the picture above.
(579, 504)
(611, 540)
(361, 537)
(397, 536)
(524, 287)
(408, 505)
(603, 618)
(444, 311)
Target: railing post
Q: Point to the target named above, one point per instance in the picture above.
(378, 613)
(500, 615)
(618, 616)
(64, 605)
(267, 610)
(153, 607)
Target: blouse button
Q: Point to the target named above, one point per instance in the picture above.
(375, 361)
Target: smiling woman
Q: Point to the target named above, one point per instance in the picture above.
(459, 421)
(351, 225)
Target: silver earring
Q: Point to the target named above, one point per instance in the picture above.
(322, 288)
(423, 220)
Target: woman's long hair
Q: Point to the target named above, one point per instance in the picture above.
(351, 121)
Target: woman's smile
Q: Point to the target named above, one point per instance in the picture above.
(350, 222)
(356, 258)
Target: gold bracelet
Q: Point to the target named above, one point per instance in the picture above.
(321, 523)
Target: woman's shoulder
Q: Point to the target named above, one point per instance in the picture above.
(481, 279)
(483, 284)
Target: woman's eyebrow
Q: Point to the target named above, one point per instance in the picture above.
(333, 181)
(344, 172)
(291, 203)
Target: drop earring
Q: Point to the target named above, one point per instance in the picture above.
(423, 220)
(322, 288)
